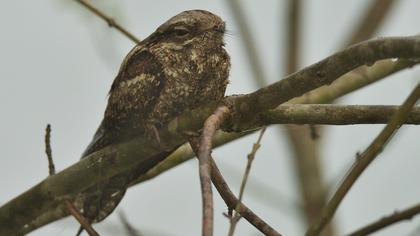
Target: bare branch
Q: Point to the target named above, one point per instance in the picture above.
(204, 149)
(326, 114)
(386, 221)
(48, 150)
(83, 222)
(324, 72)
(185, 153)
(231, 201)
(251, 156)
(363, 162)
(294, 114)
(110, 21)
(69, 205)
(354, 80)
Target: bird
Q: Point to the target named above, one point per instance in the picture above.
(182, 65)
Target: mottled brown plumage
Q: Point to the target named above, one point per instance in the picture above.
(182, 65)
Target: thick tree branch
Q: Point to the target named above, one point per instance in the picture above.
(363, 162)
(325, 114)
(185, 153)
(294, 114)
(354, 80)
(47, 195)
(247, 107)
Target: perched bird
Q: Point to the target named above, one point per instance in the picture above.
(180, 66)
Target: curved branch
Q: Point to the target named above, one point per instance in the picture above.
(232, 202)
(386, 221)
(204, 149)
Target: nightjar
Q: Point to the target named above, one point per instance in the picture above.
(180, 66)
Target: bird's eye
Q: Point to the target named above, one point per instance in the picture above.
(181, 32)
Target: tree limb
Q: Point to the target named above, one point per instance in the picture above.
(203, 153)
(386, 221)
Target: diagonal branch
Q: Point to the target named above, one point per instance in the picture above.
(363, 162)
(251, 156)
(84, 224)
(109, 20)
(386, 221)
(232, 202)
(324, 72)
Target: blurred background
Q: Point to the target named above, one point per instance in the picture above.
(58, 61)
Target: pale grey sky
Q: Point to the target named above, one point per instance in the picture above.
(58, 61)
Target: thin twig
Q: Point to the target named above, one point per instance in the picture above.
(69, 205)
(131, 231)
(111, 22)
(251, 156)
(363, 162)
(231, 201)
(204, 149)
(48, 151)
(386, 221)
(83, 222)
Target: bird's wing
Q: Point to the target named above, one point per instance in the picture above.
(132, 96)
